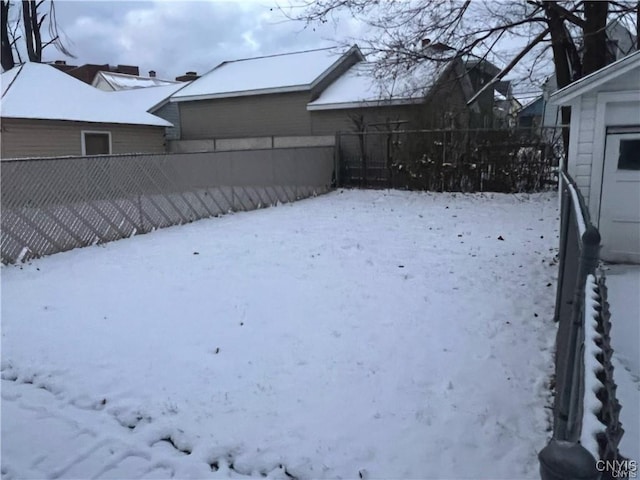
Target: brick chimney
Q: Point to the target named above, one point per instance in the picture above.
(152, 73)
(187, 77)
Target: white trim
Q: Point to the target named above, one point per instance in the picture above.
(365, 104)
(337, 63)
(242, 93)
(100, 132)
(574, 136)
(606, 74)
(599, 145)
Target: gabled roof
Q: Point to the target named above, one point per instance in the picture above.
(122, 81)
(40, 91)
(595, 79)
(289, 72)
(361, 87)
(148, 99)
(364, 85)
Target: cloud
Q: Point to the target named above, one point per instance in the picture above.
(172, 37)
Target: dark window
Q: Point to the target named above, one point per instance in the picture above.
(96, 143)
(629, 158)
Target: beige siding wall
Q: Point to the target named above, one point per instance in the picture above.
(250, 116)
(46, 138)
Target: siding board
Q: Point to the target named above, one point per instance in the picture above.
(50, 138)
(250, 116)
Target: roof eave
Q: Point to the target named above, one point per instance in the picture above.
(161, 123)
(365, 104)
(354, 49)
(244, 93)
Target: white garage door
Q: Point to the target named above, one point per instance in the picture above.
(620, 201)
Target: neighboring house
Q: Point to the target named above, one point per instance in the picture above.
(112, 81)
(87, 72)
(318, 93)
(530, 116)
(46, 113)
(155, 100)
(604, 152)
(261, 96)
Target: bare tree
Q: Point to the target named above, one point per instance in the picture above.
(6, 52)
(32, 21)
(397, 29)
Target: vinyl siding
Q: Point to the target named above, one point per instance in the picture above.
(250, 116)
(171, 113)
(580, 169)
(47, 138)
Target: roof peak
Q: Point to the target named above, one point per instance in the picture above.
(281, 54)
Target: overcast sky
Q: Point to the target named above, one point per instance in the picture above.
(174, 36)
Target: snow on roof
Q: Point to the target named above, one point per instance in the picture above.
(122, 81)
(363, 86)
(40, 91)
(287, 72)
(148, 99)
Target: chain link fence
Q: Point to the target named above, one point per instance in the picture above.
(50, 205)
(586, 425)
(516, 160)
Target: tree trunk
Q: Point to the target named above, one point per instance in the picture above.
(6, 53)
(595, 36)
(31, 30)
(564, 59)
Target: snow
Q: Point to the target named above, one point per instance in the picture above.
(623, 284)
(122, 81)
(577, 212)
(373, 334)
(362, 85)
(285, 72)
(147, 98)
(40, 91)
(591, 426)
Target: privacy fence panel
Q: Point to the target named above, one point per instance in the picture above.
(450, 160)
(51, 205)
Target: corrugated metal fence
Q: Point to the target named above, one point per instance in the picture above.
(51, 205)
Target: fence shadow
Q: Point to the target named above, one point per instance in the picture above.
(50, 205)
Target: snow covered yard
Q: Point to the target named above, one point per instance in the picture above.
(623, 283)
(361, 334)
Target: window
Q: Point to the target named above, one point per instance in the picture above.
(96, 143)
(629, 158)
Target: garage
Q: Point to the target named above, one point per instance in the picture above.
(604, 153)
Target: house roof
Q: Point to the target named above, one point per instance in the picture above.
(123, 81)
(40, 91)
(148, 99)
(360, 86)
(289, 72)
(533, 108)
(364, 85)
(595, 79)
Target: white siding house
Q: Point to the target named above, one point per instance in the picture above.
(604, 152)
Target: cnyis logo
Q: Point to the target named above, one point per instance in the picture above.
(618, 468)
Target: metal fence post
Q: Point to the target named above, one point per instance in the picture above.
(561, 460)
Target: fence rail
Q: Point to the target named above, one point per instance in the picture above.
(51, 205)
(514, 160)
(586, 412)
